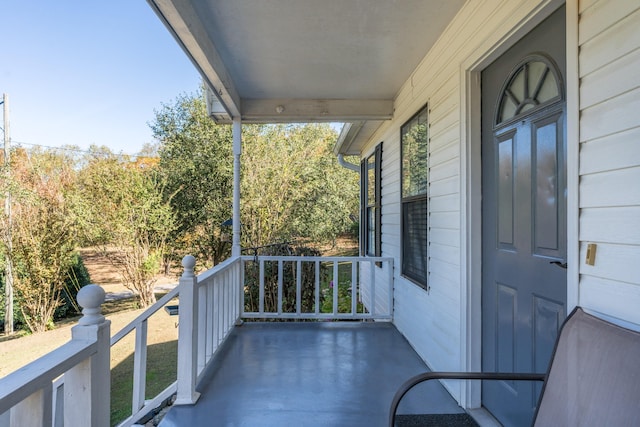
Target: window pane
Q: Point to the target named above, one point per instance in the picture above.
(371, 180)
(414, 248)
(517, 86)
(532, 84)
(371, 230)
(549, 89)
(415, 156)
(371, 221)
(415, 178)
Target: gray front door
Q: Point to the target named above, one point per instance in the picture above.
(523, 215)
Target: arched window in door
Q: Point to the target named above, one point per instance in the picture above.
(534, 83)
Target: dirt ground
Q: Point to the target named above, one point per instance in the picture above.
(103, 273)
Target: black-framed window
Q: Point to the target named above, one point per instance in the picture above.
(414, 143)
(371, 204)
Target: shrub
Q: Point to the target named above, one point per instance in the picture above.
(77, 277)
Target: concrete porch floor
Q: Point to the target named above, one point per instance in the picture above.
(310, 374)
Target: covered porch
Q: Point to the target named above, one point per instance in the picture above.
(329, 363)
(310, 374)
(373, 66)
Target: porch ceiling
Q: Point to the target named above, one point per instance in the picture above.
(270, 61)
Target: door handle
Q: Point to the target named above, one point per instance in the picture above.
(559, 264)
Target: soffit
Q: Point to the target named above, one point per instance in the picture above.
(305, 60)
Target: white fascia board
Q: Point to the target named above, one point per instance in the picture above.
(186, 27)
(343, 138)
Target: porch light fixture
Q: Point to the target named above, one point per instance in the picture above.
(280, 109)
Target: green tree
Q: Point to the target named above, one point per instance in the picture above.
(293, 187)
(43, 231)
(126, 215)
(196, 163)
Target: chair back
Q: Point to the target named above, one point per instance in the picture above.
(594, 377)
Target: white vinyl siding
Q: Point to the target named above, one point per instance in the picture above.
(431, 320)
(609, 168)
(610, 157)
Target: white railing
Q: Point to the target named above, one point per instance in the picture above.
(208, 309)
(139, 405)
(211, 304)
(304, 287)
(27, 395)
(219, 307)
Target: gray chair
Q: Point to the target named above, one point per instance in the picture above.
(593, 377)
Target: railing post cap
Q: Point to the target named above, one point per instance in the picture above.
(90, 298)
(189, 262)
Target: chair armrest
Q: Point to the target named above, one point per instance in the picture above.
(426, 376)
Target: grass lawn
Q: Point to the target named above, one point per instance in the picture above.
(162, 353)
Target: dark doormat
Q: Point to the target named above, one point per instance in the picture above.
(435, 420)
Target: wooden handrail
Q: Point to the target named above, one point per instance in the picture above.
(22, 383)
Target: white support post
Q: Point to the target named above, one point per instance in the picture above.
(87, 386)
(188, 335)
(237, 151)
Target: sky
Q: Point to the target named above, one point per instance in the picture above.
(88, 72)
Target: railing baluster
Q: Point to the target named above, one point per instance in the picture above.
(139, 366)
(234, 305)
(220, 312)
(225, 303)
(216, 314)
(299, 287)
(335, 287)
(230, 309)
(242, 287)
(58, 402)
(354, 288)
(365, 288)
(215, 335)
(211, 334)
(203, 332)
(234, 284)
(229, 300)
(261, 292)
(317, 286)
(372, 269)
(280, 284)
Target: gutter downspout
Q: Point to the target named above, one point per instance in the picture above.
(351, 166)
